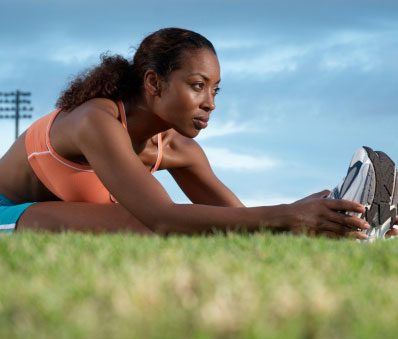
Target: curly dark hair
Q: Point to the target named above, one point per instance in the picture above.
(117, 78)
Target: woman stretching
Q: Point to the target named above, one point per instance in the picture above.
(87, 166)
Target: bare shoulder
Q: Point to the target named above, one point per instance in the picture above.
(93, 121)
(181, 151)
(69, 122)
(179, 142)
(91, 114)
(98, 105)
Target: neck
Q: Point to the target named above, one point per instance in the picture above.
(142, 123)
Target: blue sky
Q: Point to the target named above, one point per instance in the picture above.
(304, 83)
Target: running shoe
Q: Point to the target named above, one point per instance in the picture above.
(371, 181)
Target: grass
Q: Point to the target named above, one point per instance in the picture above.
(253, 286)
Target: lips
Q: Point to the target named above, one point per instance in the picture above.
(200, 122)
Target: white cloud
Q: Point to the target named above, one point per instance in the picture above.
(7, 135)
(337, 51)
(349, 38)
(340, 62)
(350, 49)
(224, 158)
(218, 129)
(233, 44)
(73, 54)
(8, 70)
(274, 60)
(64, 49)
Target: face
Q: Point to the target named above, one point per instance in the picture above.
(187, 99)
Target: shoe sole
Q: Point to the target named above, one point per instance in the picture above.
(382, 212)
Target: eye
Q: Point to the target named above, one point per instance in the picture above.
(217, 90)
(198, 86)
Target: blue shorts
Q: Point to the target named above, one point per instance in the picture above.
(10, 213)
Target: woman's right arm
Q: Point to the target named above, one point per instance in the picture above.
(107, 147)
(316, 217)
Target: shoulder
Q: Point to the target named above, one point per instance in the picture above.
(93, 113)
(180, 143)
(181, 151)
(95, 120)
(98, 105)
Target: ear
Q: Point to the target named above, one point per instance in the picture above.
(152, 83)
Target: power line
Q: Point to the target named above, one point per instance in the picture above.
(11, 102)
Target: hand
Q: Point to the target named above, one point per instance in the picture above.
(321, 194)
(393, 232)
(315, 215)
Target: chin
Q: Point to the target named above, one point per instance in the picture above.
(191, 135)
(188, 133)
(195, 134)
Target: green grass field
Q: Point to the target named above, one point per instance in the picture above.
(252, 286)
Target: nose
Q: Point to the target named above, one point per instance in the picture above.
(209, 103)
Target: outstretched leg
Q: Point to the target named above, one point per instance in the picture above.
(57, 216)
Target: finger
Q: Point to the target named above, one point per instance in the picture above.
(392, 233)
(339, 231)
(332, 227)
(357, 235)
(344, 205)
(348, 220)
(321, 194)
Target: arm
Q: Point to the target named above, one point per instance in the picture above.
(194, 175)
(107, 147)
(192, 172)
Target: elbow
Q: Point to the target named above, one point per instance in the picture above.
(164, 223)
(160, 227)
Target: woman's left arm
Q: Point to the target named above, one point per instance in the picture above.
(193, 173)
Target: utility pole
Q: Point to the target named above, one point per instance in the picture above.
(11, 102)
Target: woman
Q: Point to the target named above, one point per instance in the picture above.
(120, 122)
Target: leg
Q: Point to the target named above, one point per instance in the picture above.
(56, 216)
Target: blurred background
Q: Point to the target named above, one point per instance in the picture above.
(304, 83)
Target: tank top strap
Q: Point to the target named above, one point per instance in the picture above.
(160, 154)
(122, 112)
(155, 167)
(52, 117)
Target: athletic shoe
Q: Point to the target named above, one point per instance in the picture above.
(370, 180)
